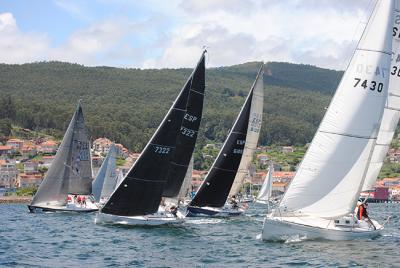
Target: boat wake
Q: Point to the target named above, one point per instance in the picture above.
(204, 221)
(294, 239)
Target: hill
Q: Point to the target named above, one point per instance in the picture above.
(127, 105)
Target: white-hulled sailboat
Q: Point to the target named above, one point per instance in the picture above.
(231, 165)
(264, 195)
(161, 167)
(322, 197)
(68, 182)
(107, 178)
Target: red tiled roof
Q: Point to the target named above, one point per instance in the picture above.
(5, 147)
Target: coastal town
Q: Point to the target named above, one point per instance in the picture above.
(24, 162)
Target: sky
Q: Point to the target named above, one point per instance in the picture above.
(172, 33)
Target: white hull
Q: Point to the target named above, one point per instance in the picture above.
(282, 229)
(156, 219)
(71, 206)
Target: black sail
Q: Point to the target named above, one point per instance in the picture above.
(215, 188)
(140, 191)
(187, 136)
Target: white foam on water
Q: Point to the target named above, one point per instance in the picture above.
(204, 221)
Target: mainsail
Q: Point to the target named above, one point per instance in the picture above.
(215, 188)
(106, 179)
(140, 191)
(186, 139)
(71, 170)
(330, 177)
(253, 132)
(266, 189)
(391, 112)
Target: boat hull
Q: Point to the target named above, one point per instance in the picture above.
(35, 209)
(155, 219)
(212, 212)
(71, 206)
(279, 229)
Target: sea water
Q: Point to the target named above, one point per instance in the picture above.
(73, 240)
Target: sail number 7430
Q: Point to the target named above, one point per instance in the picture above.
(372, 85)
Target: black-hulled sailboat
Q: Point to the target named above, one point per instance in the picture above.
(107, 177)
(67, 185)
(161, 167)
(232, 162)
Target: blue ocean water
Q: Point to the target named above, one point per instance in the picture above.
(73, 240)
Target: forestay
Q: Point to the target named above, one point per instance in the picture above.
(331, 175)
(391, 112)
(70, 171)
(106, 179)
(252, 135)
(139, 193)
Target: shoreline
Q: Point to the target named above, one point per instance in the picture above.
(15, 199)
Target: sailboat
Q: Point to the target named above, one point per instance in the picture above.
(107, 178)
(321, 199)
(264, 195)
(67, 185)
(161, 167)
(230, 167)
(391, 112)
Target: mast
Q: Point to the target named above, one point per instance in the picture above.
(215, 188)
(330, 177)
(139, 193)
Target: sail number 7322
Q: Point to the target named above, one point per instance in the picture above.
(372, 85)
(162, 150)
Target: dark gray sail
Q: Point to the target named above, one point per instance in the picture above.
(140, 191)
(54, 188)
(187, 137)
(106, 179)
(215, 188)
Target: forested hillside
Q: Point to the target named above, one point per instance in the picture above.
(127, 105)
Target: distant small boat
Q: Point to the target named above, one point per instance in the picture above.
(264, 195)
(161, 167)
(321, 199)
(67, 185)
(231, 165)
(107, 177)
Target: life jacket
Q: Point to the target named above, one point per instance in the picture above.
(360, 211)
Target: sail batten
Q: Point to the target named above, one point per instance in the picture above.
(329, 179)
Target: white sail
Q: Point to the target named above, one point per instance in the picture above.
(391, 112)
(266, 189)
(183, 193)
(106, 179)
(331, 175)
(253, 132)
